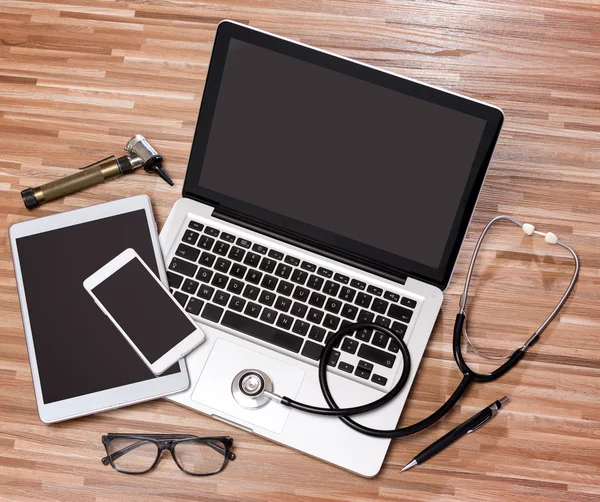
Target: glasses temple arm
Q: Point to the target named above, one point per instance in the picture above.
(121, 452)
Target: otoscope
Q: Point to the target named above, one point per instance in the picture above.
(141, 154)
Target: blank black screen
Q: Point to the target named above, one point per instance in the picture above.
(345, 155)
(78, 349)
(144, 310)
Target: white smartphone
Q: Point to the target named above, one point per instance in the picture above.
(144, 311)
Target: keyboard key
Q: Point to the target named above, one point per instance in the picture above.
(365, 316)
(175, 280)
(348, 368)
(315, 282)
(190, 237)
(331, 322)
(238, 271)
(285, 288)
(269, 282)
(365, 366)
(194, 306)
(317, 334)
(283, 303)
(212, 312)
(300, 327)
(308, 266)
(378, 379)
(228, 237)
(379, 305)
(393, 297)
(374, 290)
(259, 249)
(252, 309)
(220, 281)
(292, 261)
(358, 284)
(251, 292)
(212, 231)
(399, 328)
(276, 254)
(317, 300)
(325, 272)
(331, 288)
(408, 302)
(236, 253)
(394, 346)
(312, 350)
(237, 303)
(315, 316)
(285, 321)
(253, 276)
(221, 298)
(349, 345)
(235, 286)
(347, 294)
(333, 358)
(364, 334)
(301, 293)
(329, 336)
(183, 267)
(362, 373)
(267, 298)
(344, 279)
(299, 276)
(194, 225)
(267, 265)
(244, 243)
(380, 339)
(283, 270)
(268, 316)
(189, 286)
(204, 274)
(299, 310)
(205, 292)
(206, 242)
(207, 259)
(187, 252)
(333, 305)
(180, 297)
(363, 300)
(349, 311)
(400, 313)
(221, 248)
(376, 356)
(383, 321)
(262, 332)
(222, 265)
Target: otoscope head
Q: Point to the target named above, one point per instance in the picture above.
(138, 146)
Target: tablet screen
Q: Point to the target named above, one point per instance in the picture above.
(78, 349)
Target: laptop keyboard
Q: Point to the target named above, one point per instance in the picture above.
(288, 302)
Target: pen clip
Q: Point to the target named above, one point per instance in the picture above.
(479, 426)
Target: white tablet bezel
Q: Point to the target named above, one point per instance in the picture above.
(109, 398)
(176, 352)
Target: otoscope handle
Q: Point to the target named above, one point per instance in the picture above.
(89, 176)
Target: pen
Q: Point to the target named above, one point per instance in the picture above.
(471, 425)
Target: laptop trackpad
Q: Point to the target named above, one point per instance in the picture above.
(226, 360)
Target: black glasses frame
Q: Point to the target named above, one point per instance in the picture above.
(167, 442)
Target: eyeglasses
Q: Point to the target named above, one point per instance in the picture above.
(140, 453)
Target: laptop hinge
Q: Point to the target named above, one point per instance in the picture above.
(308, 244)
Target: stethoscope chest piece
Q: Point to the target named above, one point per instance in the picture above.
(250, 387)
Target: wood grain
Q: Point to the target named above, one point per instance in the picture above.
(79, 77)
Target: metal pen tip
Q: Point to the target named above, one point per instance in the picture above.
(409, 465)
(504, 400)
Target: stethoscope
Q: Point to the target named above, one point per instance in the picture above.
(254, 389)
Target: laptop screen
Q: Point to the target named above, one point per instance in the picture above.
(360, 161)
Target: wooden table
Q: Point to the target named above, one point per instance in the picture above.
(79, 77)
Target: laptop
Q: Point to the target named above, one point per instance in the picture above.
(320, 191)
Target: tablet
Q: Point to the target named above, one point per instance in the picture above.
(80, 362)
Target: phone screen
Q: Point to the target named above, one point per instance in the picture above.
(144, 310)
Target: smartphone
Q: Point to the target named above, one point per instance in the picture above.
(144, 311)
